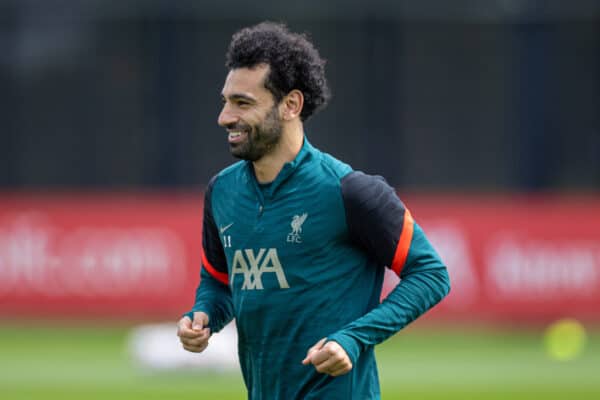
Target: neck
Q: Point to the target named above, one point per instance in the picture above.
(268, 166)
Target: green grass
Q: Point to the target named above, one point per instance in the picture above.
(69, 362)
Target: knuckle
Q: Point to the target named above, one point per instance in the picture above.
(182, 334)
(193, 349)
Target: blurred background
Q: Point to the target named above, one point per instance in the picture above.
(485, 115)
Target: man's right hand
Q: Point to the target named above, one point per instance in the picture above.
(194, 334)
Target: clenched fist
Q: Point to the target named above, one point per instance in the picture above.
(328, 358)
(194, 334)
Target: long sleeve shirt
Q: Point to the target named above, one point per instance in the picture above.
(303, 258)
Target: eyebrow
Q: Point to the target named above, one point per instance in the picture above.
(239, 96)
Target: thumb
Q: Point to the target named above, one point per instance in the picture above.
(313, 350)
(200, 321)
(184, 323)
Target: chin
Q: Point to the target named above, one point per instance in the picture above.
(240, 154)
(244, 153)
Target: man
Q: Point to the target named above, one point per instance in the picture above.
(295, 242)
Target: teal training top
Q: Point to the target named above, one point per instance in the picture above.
(303, 258)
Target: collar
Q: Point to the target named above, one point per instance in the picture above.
(286, 172)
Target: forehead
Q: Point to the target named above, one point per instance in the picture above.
(247, 82)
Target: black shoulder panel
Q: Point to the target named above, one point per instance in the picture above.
(211, 243)
(374, 215)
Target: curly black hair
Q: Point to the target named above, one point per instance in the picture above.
(293, 60)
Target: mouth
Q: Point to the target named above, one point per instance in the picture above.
(236, 136)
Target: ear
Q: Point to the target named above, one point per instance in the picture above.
(291, 105)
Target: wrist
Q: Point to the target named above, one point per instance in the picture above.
(349, 344)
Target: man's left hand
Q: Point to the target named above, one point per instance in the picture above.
(328, 358)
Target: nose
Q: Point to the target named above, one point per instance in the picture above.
(226, 117)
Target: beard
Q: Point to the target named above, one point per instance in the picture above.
(261, 138)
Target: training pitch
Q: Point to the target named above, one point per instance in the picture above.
(49, 361)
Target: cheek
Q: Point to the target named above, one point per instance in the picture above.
(250, 120)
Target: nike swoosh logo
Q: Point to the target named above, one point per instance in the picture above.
(224, 228)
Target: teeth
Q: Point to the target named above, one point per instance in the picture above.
(234, 134)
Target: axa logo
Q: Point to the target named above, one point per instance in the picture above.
(253, 265)
(297, 221)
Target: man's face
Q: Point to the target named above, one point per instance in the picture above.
(249, 114)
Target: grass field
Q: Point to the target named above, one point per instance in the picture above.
(91, 362)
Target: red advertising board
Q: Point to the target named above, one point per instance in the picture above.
(516, 258)
(510, 258)
(96, 255)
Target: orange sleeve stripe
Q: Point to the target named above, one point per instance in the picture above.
(220, 276)
(403, 243)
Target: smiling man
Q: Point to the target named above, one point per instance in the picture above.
(295, 242)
